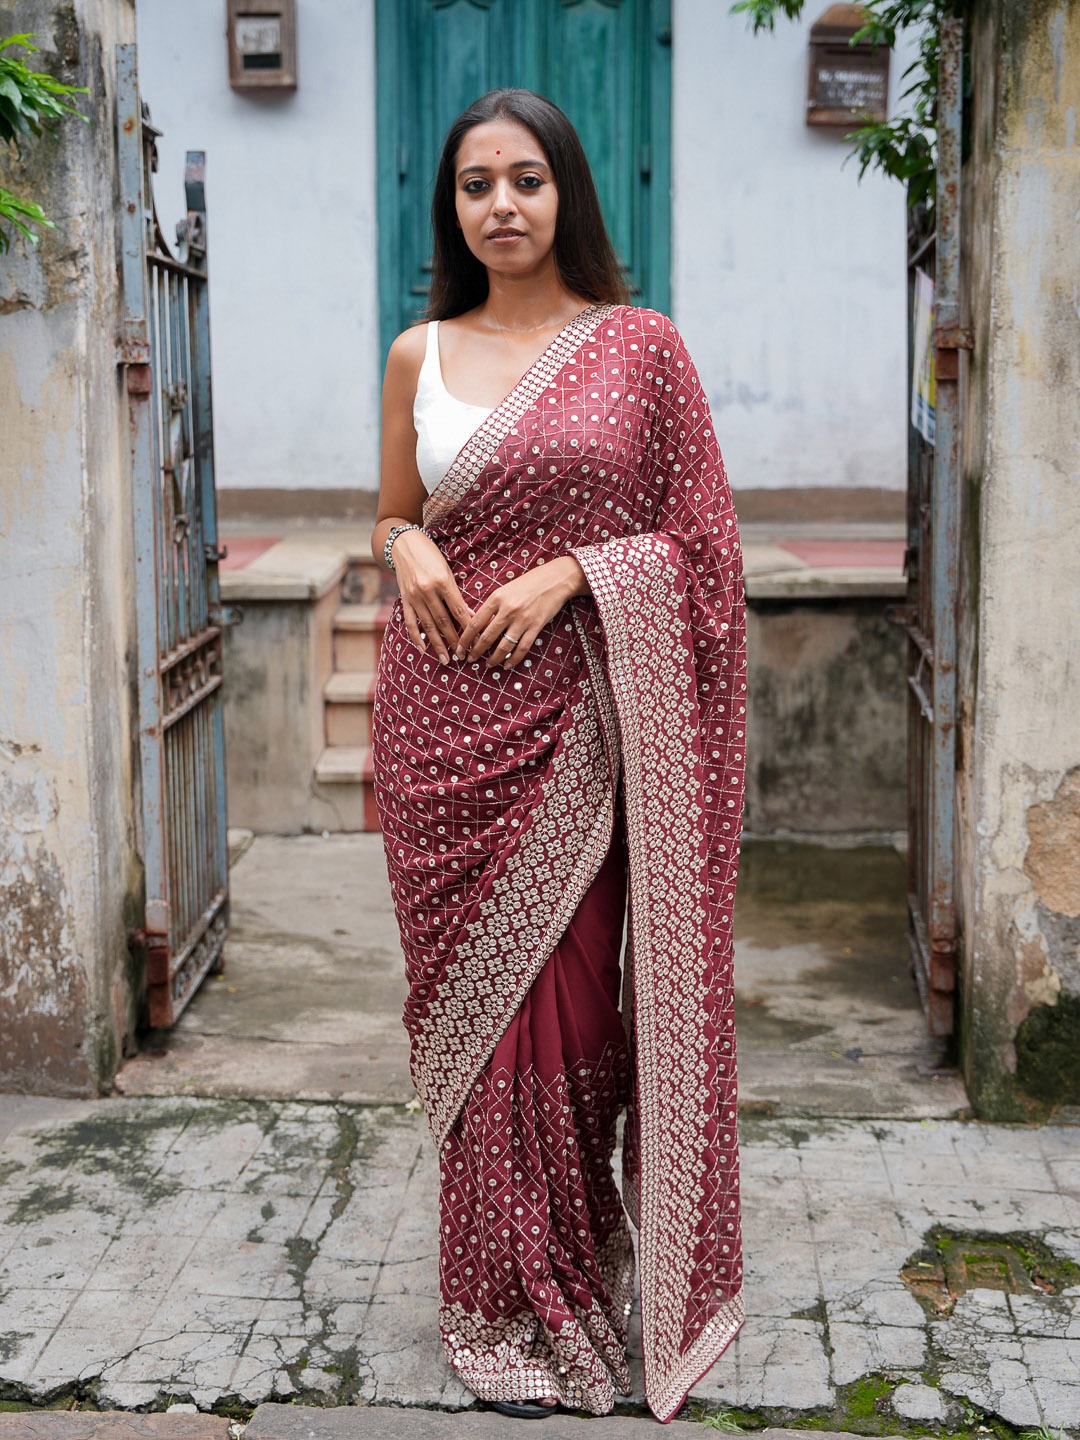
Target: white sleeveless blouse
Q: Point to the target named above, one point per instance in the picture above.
(442, 423)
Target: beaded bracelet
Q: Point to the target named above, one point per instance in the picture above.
(392, 534)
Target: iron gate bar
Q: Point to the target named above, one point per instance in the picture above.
(930, 616)
(165, 345)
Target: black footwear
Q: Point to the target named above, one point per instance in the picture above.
(523, 1409)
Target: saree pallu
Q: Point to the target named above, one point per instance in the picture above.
(518, 806)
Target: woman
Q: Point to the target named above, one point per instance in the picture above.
(560, 701)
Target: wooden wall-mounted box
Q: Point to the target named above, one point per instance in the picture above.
(848, 84)
(262, 44)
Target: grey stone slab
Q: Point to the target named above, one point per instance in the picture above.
(1058, 1399)
(33, 1308)
(781, 1434)
(64, 1261)
(20, 1351)
(1002, 1386)
(199, 1364)
(781, 1278)
(204, 1160)
(1052, 1359)
(378, 1422)
(1000, 1171)
(781, 1363)
(111, 1425)
(883, 1302)
(120, 1316)
(225, 1267)
(140, 1261)
(918, 1402)
(859, 1350)
(1066, 1174)
(1056, 1317)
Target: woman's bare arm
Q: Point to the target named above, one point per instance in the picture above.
(434, 606)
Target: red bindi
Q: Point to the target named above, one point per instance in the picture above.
(498, 152)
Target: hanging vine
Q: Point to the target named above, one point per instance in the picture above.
(32, 103)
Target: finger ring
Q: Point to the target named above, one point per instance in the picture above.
(511, 639)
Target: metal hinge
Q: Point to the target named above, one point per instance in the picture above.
(226, 615)
(954, 337)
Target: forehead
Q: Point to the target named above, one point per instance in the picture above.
(512, 140)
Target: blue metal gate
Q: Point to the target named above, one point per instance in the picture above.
(165, 350)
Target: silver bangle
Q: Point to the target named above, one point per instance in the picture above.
(392, 534)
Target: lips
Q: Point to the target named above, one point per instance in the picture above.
(506, 233)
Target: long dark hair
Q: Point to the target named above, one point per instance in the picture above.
(584, 255)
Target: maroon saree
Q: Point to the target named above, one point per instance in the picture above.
(519, 806)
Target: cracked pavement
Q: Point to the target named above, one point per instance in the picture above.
(253, 1218)
(161, 1249)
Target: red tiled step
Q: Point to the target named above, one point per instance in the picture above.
(847, 554)
(243, 549)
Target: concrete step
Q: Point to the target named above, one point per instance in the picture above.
(379, 1422)
(358, 631)
(347, 697)
(114, 1425)
(345, 779)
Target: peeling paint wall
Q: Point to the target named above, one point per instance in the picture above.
(1019, 755)
(68, 869)
(827, 743)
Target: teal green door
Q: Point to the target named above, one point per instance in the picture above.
(607, 63)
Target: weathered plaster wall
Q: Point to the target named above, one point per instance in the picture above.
(1019, 826)
(67, 859)
(826, 736)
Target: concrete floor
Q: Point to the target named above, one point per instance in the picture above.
(217, 1236)
(309, 1004)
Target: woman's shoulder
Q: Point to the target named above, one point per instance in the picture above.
(405, 358)
(651, 323)
(411, 343)
(657, 333)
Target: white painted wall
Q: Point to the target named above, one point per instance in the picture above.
(290, 186)
(788, 276)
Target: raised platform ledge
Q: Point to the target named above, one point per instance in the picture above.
(289, 570)
(831, 583)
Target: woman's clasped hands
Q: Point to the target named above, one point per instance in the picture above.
(502, 629)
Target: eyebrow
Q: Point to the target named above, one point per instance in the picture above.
(517, 165)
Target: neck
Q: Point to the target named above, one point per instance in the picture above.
(529, 302)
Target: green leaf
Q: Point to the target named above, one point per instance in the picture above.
(24, 40)
(763, 13)
(20, 215)
(31, 101)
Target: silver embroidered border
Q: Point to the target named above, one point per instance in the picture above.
(665, 1260)
(562, 873)
(489, 435)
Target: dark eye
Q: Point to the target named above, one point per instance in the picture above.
(531, 182)
(474, 187)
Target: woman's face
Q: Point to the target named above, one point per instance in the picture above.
(506, 197)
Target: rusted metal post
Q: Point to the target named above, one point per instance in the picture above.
(940, 913)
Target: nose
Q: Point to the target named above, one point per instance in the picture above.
(502, 200)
